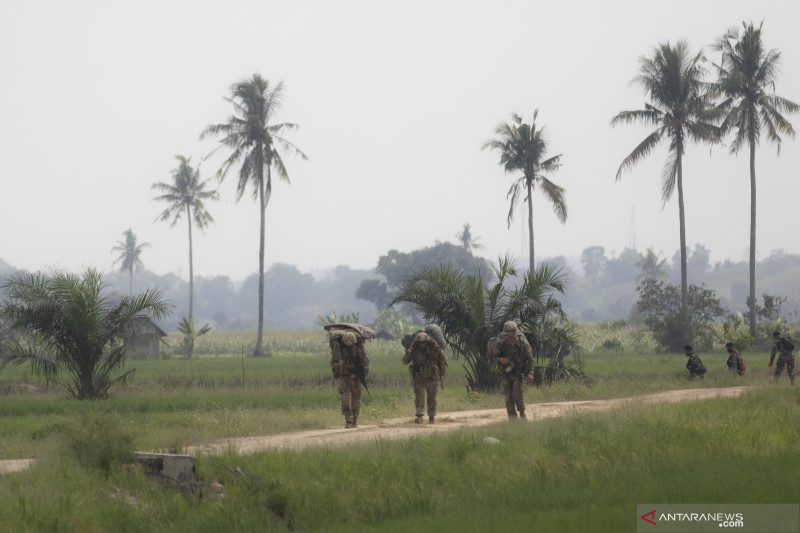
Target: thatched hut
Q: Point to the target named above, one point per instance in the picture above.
(144, 339)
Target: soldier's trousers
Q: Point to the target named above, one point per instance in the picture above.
(787, 361)
(423, 386)
(512, 390)
(350, 393)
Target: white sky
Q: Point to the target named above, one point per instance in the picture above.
(394, 101)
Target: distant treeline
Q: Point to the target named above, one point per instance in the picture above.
(601, 288)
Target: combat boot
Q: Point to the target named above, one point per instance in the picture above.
(522, 415)
(418, 420)
(512, 416)
(430, 420)
(355, 422)
(349, 423)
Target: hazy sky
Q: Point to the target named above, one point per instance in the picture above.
(394, 101)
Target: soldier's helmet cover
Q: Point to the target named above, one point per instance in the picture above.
(422, 337)
(349, 338)
(509, 326)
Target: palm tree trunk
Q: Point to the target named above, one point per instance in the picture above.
(191, 279)
(752, 238)
(682, 224)
(259, 351)
(530, 225)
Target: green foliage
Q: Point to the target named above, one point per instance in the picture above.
(660, 303)
(396, 266)
(331, 318)
(190, 334)
(100, 441)
(735, 329)
(394, 321)
(470, 314)
(69, 324)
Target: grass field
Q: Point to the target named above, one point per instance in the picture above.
(552, 475)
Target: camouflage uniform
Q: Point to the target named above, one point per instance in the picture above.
(520, 364)
(785, 359)
(735, 362)
(353, 356)
(428, 367)
(695, 366)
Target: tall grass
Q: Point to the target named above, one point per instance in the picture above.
(578, 473)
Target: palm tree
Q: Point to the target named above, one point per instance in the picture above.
(745, 73)
(653, 267)
(186, 194)
(71, 326)
(681, 110)
(470, 314)
(468, 241)
(256, 145)
(523, 147)
(129, 255)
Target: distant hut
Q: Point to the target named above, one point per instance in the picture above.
(143, 339)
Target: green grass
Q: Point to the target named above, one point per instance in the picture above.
(579, 473)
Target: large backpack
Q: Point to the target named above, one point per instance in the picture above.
(787, 343)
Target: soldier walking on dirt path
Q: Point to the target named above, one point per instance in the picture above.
(348, 359)
(512, 353)
(428, 364)
(785, 348)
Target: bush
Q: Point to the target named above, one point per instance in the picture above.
(660, 304)
(99, 441)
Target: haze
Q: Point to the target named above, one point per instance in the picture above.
(393, 100)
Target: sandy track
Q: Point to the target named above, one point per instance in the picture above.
(403, 428)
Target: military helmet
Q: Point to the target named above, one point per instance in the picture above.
(349, 338)
(510, 326)
(422, 337)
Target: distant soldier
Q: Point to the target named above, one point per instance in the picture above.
(735, 361)
(785, 348)
(428, 364)
(512, 353)
(694, 364)
(350, 365)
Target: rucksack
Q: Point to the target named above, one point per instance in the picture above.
(787, 344)
(741, 363)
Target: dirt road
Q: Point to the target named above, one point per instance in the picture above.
(401, 428)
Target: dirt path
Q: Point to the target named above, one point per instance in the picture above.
(401, 428)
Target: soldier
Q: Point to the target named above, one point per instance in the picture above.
(786, 357)
(511, 352)
(694, 364)
(735, 362)
(348, 361)
(427, 370)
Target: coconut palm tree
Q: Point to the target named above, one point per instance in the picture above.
(186, 194)
(523, 147)
(255, 145)
(681, 109)
(745, 74)
(467, 240)
(71, 326)
(129, 255)
(470, 314)
(653, 267)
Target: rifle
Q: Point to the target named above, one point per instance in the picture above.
(360, 373)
